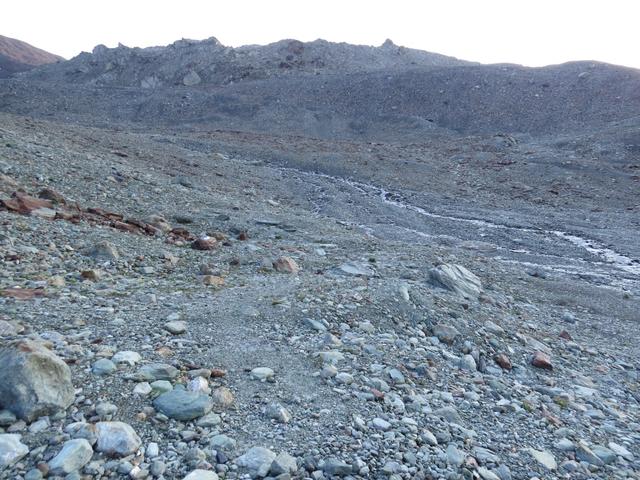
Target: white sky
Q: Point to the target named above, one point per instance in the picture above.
(530, 32)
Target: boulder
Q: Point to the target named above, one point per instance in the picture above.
(33, 380)
(457, 279)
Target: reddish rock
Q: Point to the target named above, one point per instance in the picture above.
(22, 293)
(541, 360)
(213, 280)
(92, 275)
(24, 204)
(286, 265)
(564, 334)
(52, 195)
(503, 361)
(243, 236)
(204, 243)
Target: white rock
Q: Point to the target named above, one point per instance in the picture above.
(117, 439)
(457, 279)
(11, 449)
(256, 461)
(74, 455)
(126, 356)
(202, 475)
(262, 373)
(544, 458)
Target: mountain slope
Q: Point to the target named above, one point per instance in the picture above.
(18, 56)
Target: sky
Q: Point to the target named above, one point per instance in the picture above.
(533, 33)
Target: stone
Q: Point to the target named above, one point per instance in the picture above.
(544, 458)
(223, 442)
(283, 464)
(450, 414)
(380, 424)
(204, 243)
(454, 456)
(286, 265)
(200, 474)
(457, 279)
(605, 454)
(116, 439)
(222, 397)
(176, 327)
(541, 360)
(334, 466)
(357, 269)
(104, 251)
(191, 78)
(503, 361)
(158, 371)
(262, 373)
(487, 474)
(209, 420)
(103, 367)
(126, 356)
(7, 418)
(160, 386)
(256, 461)
(621, 451)
(183, 405)
(445, 333)
(74, 455)
(11, 449)
(277, 412)
(467, 362)
(585, 454)
(34, 382)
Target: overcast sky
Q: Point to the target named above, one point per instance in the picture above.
(538, 32)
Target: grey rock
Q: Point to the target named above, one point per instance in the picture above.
(450, 414)
(126, 356)
(585, 454)
(544, 458)
(262, 373)
(284, 463)
(356, 269)
(209, 420)
(201, 475)
(605, 454)
(278, 413)
(176, 327)
(183, 405)
(11, 449)
(104, 251)
(454, 456)
(223, 443)
(103, 367)
(191, 78)
(457, 279)
(34, 382)
(445, 333)
(74, 455)
(334, 466)
(116, 439)
(158, 371)
(467, 362)
(256, 461)
(381, 424)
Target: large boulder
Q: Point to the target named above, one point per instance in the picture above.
(33, 380)
(457, 279)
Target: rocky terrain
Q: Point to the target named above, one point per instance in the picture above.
(18, 56)
(197, 283)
